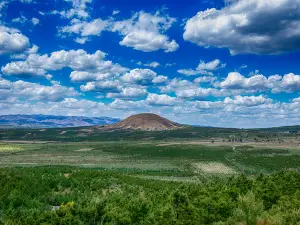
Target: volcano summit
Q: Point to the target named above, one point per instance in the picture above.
(145, 122)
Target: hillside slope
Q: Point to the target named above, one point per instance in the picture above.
(145, 122)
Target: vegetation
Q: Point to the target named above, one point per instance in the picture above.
(66, 195)
(154, 158)
(186, 176)
(79, 134)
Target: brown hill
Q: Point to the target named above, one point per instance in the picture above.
(145, 122)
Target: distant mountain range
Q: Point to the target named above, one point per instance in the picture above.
(50, 121)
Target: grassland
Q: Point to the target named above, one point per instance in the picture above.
(155, 157)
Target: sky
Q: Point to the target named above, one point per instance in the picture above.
(224, 63)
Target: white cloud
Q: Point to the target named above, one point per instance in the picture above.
(170, 64)
(160, 79)
(12, 41)
(146, 32)
(21, 19)
(188, 72)
(248, 100)
(20, 69)
(296, 100)
(3, 4)
(80, 76)
(288, 83)
(102, 86)
(213, 65)
(203, 68)
(78, 60)
(152, 64)
(128, 93)
(176, 84)
(139, 76)
(205, 79)
(26, 1)
(115, 12)
(249, 26)
(161, 100)
(85, 29)
(148, 41)
(143, 31)
(197, 93)
(127, 105)
(35, 21)
(81, 40)
(291, 83)
(235, 80)
(33, 91)
(34, 49)
(79, 9)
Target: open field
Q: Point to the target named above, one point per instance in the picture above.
(184, 158)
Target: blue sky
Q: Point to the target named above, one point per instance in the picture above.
(220, 63)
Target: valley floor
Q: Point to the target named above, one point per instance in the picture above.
(149, 182)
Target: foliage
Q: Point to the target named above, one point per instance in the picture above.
(67, 195)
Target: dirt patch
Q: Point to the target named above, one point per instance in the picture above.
(63, 132)
(86, 130)
(212, 167)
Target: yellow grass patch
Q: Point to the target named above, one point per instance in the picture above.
(84, 150)
(10, 148)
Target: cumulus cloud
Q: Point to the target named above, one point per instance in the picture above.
(102, 86)
(296, 100)
(146, 32)
(20, 69)
(80, 76)
(213, 65)
(235, 80)
(129, 93)
(288, 83)
(176, 84)
(203, 68)
(139, 76)
(33, 91)
(12, 41)
(197, 93)
(78, 60)
(127, 105)
(85, 29)
(68, 106)
(143, 31)
(34, 49)
(291, 82)
(248, 26)
(205, 79)
(247, 100)
(161, 100)
(160, 79)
